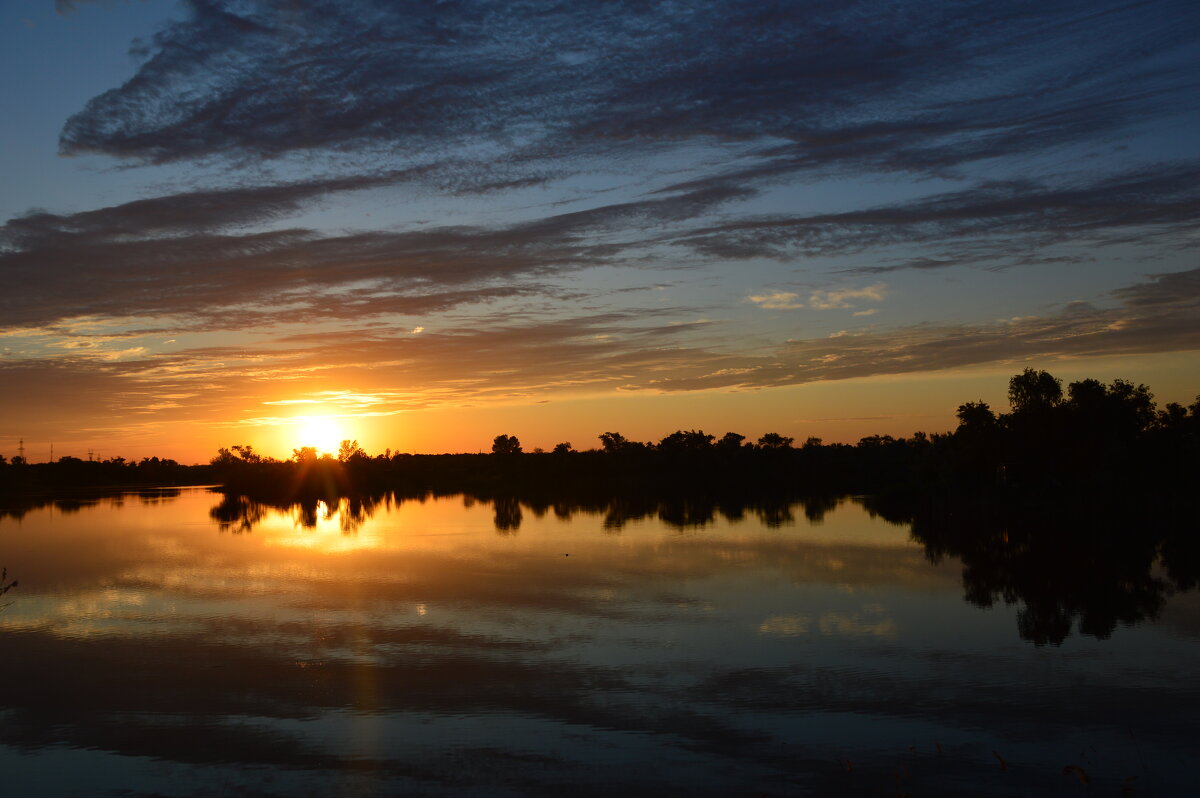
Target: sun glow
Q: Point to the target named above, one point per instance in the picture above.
(322, 432)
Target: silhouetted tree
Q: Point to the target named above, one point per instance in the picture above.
(730, 442)
(247, 454)
(1132, 407)
(563, 448)
(1173, 416)
(1035, 439)
(1033, 390)
(976, 418)
(506, 444)
(305, 454)
(224, 457)
(350, 450)
(613, 442)
(686, 441)
(773, 440)
(977, 441)
(1086, 394)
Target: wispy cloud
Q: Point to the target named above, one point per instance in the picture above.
(838, 298)
(1146, 204)
(778, 300)
(176, 255)
(920, 87)
(608, 352)
(822, 299)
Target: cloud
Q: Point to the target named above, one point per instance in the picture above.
(778, 300)
(187, 255)
(823, 299)
(1159, 315)
(623, 349)
(841, 297)
(1162, 290)
(1008, 221)
(506, 358)
(921, 87)
(545, 90)
(184, 213)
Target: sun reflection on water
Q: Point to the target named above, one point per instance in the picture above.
(326, 527)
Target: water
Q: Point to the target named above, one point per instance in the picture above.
(460, 647)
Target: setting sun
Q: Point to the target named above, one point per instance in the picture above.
(323, 432)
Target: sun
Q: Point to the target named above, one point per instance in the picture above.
(322, 432)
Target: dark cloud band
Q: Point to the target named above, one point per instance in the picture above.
(919, 86)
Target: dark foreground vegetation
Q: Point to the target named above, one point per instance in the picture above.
(1091, 438)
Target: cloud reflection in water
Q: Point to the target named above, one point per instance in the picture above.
(418, 649)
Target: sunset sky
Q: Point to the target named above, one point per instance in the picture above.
(421, 224)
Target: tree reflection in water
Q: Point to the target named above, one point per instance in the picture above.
(18, 506)
(1083, 564)
(239, 514)
(1068, 565)
(508, 515)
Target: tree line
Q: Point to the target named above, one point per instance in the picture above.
(1086, 436)
(18, 477)
(678, 441)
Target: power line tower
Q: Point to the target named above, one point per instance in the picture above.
(21, 449)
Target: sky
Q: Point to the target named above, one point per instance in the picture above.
(423, 224)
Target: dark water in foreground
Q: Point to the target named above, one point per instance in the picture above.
(422, 650)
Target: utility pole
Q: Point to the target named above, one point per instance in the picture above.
(21, 450)
(52, 453)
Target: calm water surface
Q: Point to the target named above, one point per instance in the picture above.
(453, 647)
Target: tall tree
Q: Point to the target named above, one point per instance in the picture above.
(506, 444)
(1034, 390)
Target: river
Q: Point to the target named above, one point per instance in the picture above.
(170, 643)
